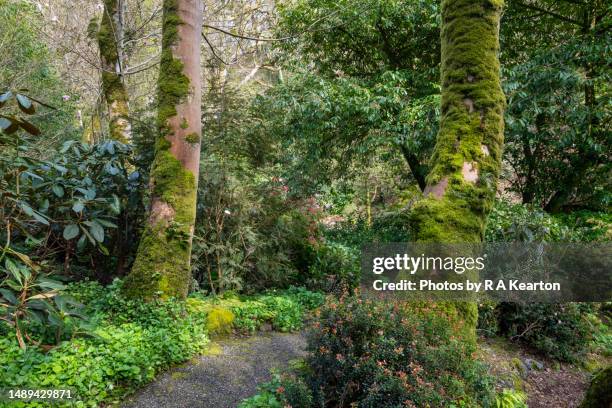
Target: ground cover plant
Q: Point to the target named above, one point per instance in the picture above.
(181, 178)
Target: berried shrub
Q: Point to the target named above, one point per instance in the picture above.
(382, 355)
(363, 354)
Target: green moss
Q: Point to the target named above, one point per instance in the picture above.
(213, 349)
(193, 138)
(112, 85)
(173, 85)
(466, 160)
(162, 266)
(599, 394)
(219, 321)
(184, 124)
(106, 33)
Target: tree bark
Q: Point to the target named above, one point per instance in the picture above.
(110, 40)
(162, 267)
(466, 161)
(419, 171)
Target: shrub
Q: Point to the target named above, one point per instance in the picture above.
(559, 331)
(33, 304)
(380, 355)
(281, 391)
(283, 310)
(284, 314)
(488, 318)
(335, 268)
(250, 235)
(219, 321)
(517, 222)
(509, 398)
(520, 222)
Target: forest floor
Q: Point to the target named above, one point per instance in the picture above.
(546, 383)
(229, 372)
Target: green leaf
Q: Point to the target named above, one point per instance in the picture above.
(25, 104)
(67, 146)
(47, 283)
(97, 231)
(13, 269)
(71, 231)
(116, 205)
(9, 296)
(90, 194)
(78, 207)
(105, 223)
(27, 209)
(34, 214)
(5, 97)
(89, 237)
(104, 250)
(40, 218)
(81, 243)
(58, 190)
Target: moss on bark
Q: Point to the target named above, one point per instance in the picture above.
(112, 83)
(466, 161)
(162, 266)
(599, 394)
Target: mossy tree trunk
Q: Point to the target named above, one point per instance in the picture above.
(466, 161)
(599, 394)
(162, 265)
(110, 40)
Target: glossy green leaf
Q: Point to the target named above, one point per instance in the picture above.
(71, 231)
(58, 190)
(78, 207)
(97, 231)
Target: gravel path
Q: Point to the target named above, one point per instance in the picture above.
(229, 372)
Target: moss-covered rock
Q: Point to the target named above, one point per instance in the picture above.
(599, 394)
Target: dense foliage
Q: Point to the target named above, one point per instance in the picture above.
(320, 118)
(129, 343)
(368, 354)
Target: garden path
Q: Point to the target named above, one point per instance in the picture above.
(227, 373)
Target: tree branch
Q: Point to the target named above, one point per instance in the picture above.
(214, 52)
(550, 13)
(246, 37)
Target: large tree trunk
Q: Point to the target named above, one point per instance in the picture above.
(110, 40)
(162, 265)
(466, 161)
